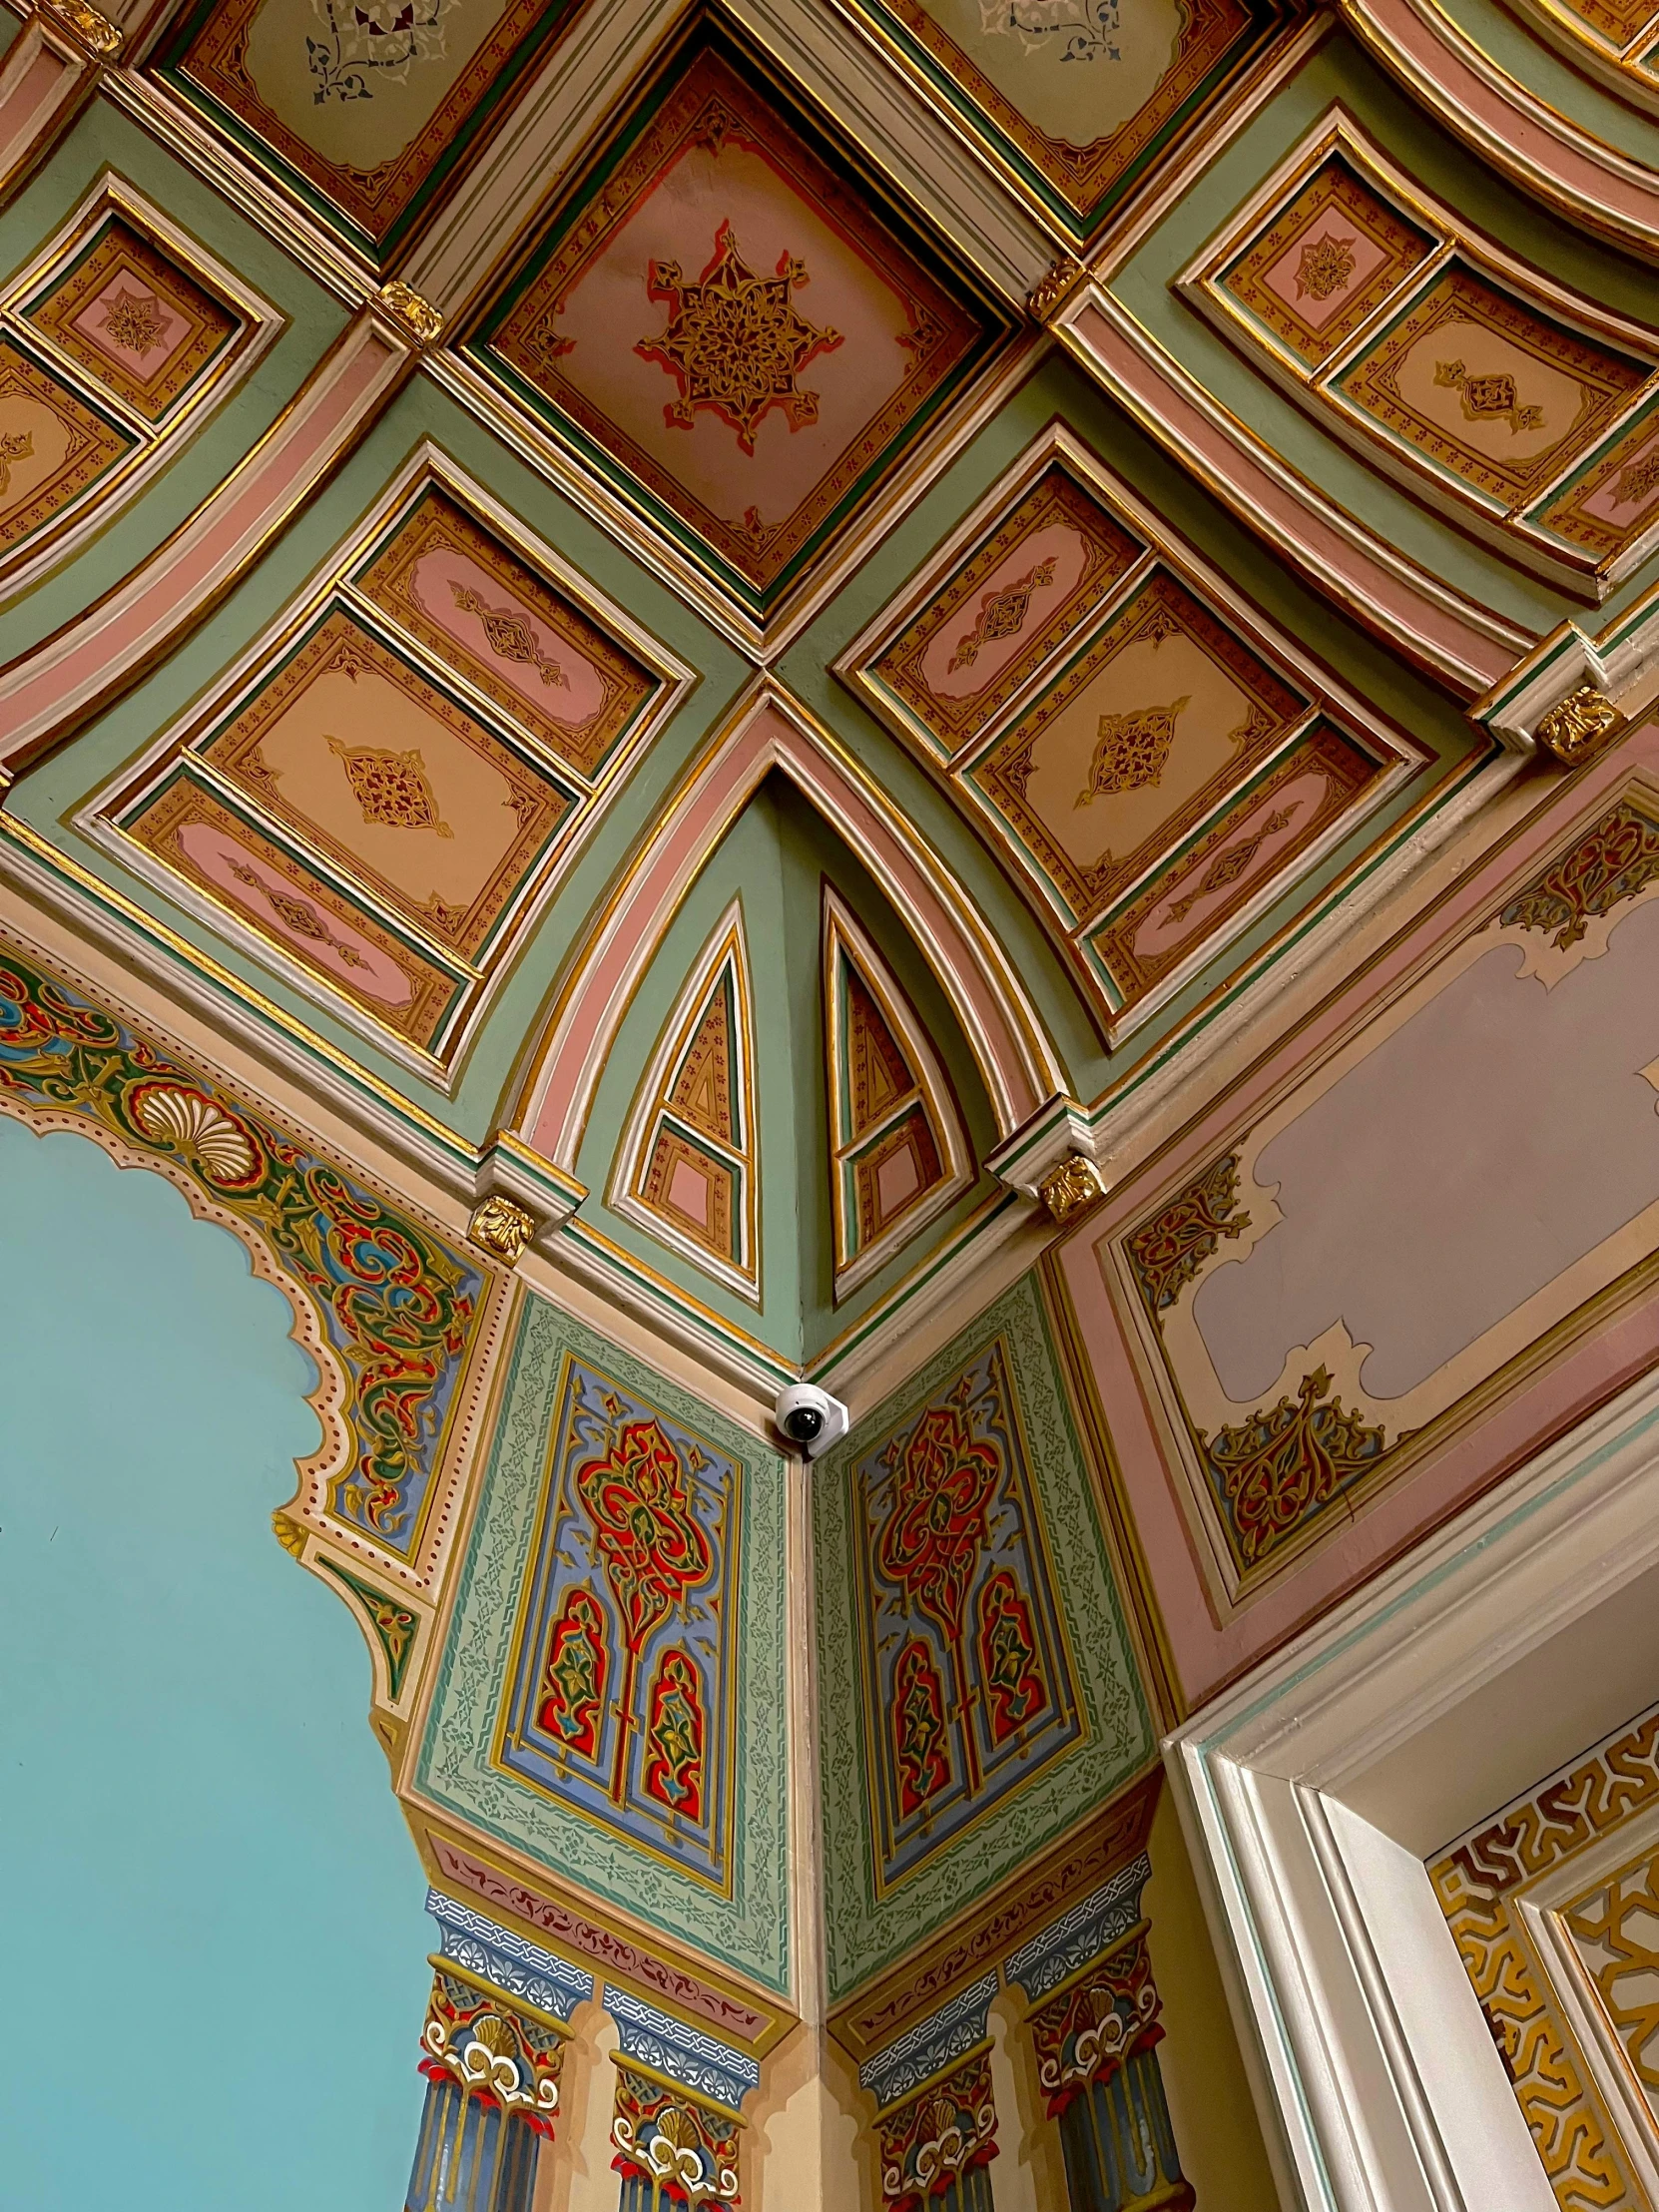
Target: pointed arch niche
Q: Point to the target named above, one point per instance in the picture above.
(899, 1153)
(1018, 1061)
(685, 1169)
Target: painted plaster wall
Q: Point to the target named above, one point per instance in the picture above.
(212, 1928)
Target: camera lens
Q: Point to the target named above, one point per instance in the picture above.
(801, 1424)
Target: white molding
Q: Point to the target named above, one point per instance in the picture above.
(1311, 1789)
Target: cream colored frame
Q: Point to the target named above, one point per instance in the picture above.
(156, 444)
(427, 464)
(727, 943)
(841, 930)
(856, 668)
(1315, 388)
(1312, 1791)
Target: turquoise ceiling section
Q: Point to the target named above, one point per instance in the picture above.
(612, 1694)
(775, 859)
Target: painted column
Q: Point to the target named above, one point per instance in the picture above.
(936, 2120)
(675, 2122)
(1095, 2029)
(493, 2047)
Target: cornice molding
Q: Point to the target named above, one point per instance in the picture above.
(1464, 646)
(1542, 150)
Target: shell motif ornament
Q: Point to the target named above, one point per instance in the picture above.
(204, 1135)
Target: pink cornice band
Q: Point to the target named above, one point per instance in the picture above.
(1437, 628)
(1544, 152)
(51, 690)
(1020, 1065)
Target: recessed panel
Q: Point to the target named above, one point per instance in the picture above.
(468, 598)
(732, 329)
(357, 750)
(1135, 742)
(1022, 592)
(126, 313)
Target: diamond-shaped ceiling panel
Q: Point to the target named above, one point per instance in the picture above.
(732, 329)
(362, 112)
(1071, 98)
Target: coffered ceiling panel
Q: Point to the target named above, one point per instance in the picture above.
(364, 112)
(724, 320)
(1069, 98)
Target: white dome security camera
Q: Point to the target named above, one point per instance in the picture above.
(811, 1418)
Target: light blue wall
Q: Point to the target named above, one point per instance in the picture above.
(209, 1909)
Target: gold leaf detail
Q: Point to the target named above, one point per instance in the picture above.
(392, 787)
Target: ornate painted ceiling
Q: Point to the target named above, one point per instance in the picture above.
(484, 500)
(759, 647)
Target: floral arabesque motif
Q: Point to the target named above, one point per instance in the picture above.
(938, 2135)
(1170, 1249)
(1613, 861)
(654, 1551)
(734, 341)
(499, 2053)
(930, 1545)
(1274, 1471)
(397, 1305)
(1099, 2021)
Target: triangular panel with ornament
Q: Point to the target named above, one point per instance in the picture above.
(685, 1169)
(898, 1151)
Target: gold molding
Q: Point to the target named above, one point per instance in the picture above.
(415, 317)
(101, 38)
(1580, 727)
(1070, 1189)
(502, 1228)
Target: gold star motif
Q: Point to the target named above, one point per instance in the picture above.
(136, 321)
(1325, 265)
(735, 341)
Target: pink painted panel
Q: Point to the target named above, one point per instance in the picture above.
(1489, 1142)
(433, 584)
(1068, 549)
(1365, 252)
(1164, 929)
(1212, 1645)
(241, 874)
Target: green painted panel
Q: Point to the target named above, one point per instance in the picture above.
(981, 1833)
(777, 855)
(105, 139)
(747, 1928)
